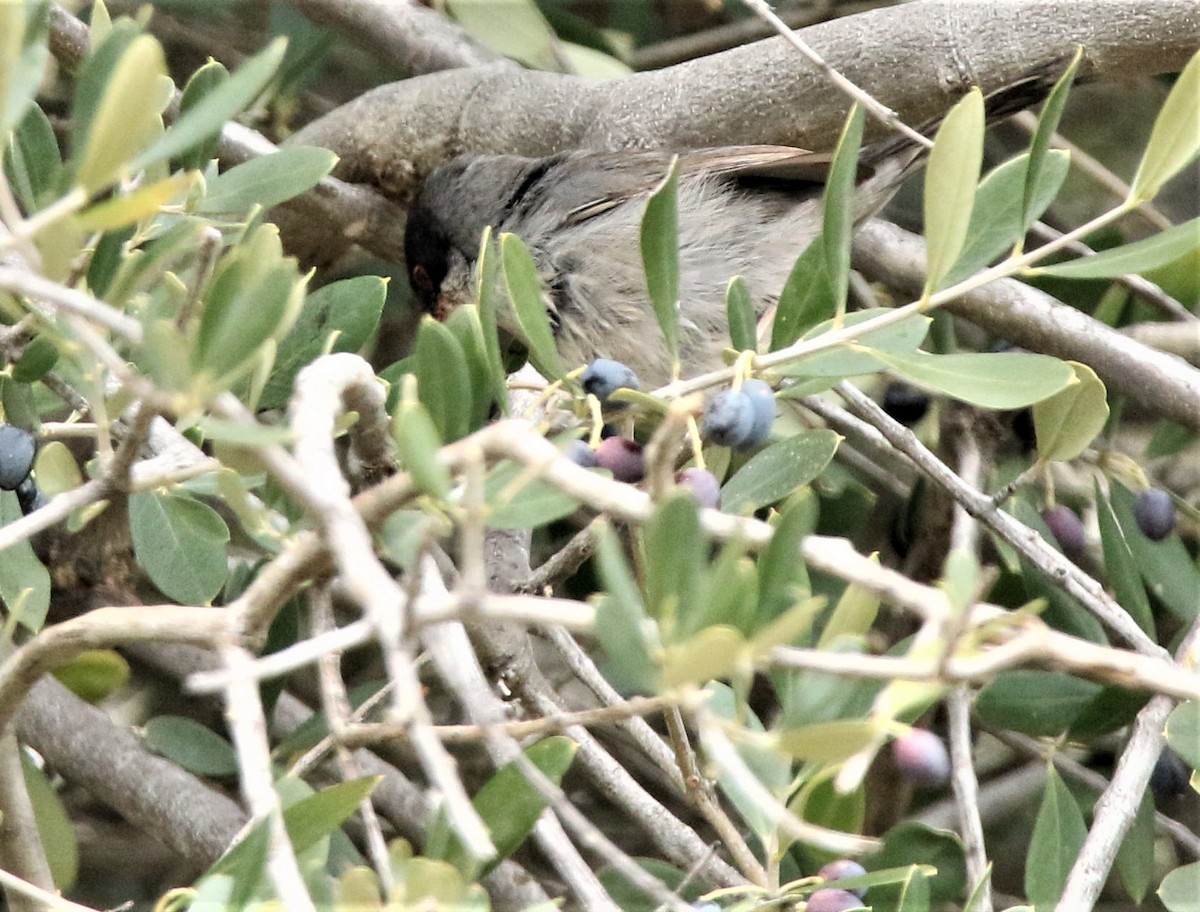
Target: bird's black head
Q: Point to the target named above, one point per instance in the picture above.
(446, 222)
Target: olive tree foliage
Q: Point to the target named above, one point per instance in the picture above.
(393, 610)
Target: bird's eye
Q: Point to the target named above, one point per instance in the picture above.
(418, 277)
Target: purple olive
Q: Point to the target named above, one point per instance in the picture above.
(703, 484)
(623, 457)
(1065, 526)
(1155, 514)
(921, 758)
(833, 901)
(843, 869)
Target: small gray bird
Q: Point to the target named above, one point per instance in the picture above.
(743, 210)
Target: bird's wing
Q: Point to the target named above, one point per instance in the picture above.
(633, 175)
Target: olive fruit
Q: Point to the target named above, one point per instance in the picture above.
(623, 457)
(603, 377)
(921, 758)
(1154, 512)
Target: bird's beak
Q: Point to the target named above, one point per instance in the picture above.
(443, 307)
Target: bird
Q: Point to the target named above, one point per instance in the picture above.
(743, 210)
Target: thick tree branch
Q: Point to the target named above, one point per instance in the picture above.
(916, 58)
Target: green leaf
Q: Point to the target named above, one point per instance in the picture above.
(739, 309)
(418, 442)
(464, 324)
(807, 297)
(24, 581)
(32, 162)
(730, 587)
(1120, 567)
(853, 616)
(1068, 422)
(674, 549)
(508, 805)
(125, 209)
(191, 745)
(950, 181)
(488, 294)
(917, 843)
(181, 544)
(54, 825)
(23, 53)
(1058, 835)
(1175, 139)
(267, 181)
(782, 578)
(206, 80)
(714, 652)
(1140, 256)
(127, 118)
(847, 360)
(317, 816)
(94, 674)
(516, 29)
(1183, 732)
(1166, 567)
(660, 255)
(997, 380)
(914, 892)
(525, 294)
(1037, 703)
(1135, 858)
(776, 471)
(338, 317)
(442, 379)
(1179, 889)
(621, 621)
(249, 300)
(217, 106)
(1047, 124)
(996, 217)
(518, 499)
(838, 222)
(827, 742)
(38, 359)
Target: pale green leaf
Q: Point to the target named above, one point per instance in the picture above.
(218, 106)
(1179, 889)
(1040, 147)
(267, 181)
(1175, 139)
(950, 181)
(996, 218)
(24, 581)
(838, 223)
(660, 255)
(529, 307)
(128, 118)
(1140, 256)
(998, 380)
(1067, 422)
(739, 310)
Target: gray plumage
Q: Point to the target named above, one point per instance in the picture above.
(744, 210)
